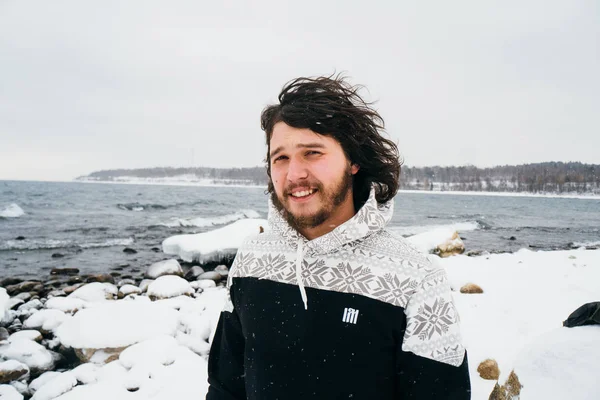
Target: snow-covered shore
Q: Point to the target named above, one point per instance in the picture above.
(140, 339)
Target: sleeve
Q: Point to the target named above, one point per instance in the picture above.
(226, 357)
(432, 362)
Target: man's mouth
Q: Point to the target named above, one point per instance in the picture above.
(300, 194)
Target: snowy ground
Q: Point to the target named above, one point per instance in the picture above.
(158, 341)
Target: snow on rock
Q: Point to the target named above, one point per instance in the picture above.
(168, 286)
(7, 392)
(12, 211)
(127, 289)
(561, 364)
(166, 267)
(56, 386)
(4, 302)
(46, 320)
(442, 241)
(12, 370)
(95, 292)
(117, 324)
(527, 294)
(29, 334)
(42, 379)
(30, 353)
(213, 245)
(160, 350)
(66, 304)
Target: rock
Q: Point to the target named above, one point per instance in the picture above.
(16, 326)
(75, 279)
(212, 275)
(30, 353)
(104, 278)
(156, 249)
(29, 286)
(144, 284)
(166, 267)
(66, 304)
(20, 238)
(510, 390)
(27, 334)
(223, 270)
(129, 250)
(10, 281)
(30, 305)
(14, 303)
(55, 283)
(115, 274)
(512, 238)
(488, 369)
(57, 255)
(70, 289)
(99, 356)
(45, 320)
(56, 293)
(450, 247)
(471, 288)
(3, 334)
(126, 290)
(12, 370)
(124, 282)
(9, 393)
(95, 291)
(205, 284)
(168, 286)
(24, 296)
(64, 271)
(193, 273)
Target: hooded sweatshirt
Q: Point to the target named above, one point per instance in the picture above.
(357, 313)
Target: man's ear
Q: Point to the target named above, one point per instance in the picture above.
(354, 168)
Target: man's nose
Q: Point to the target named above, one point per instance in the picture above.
(296, 170)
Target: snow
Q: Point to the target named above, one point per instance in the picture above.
(28, 334)
(7, 392)
(427, 241)
(129, 289)
(526, 294)
(46, 320)
(95, 292)
(66, 304)
(30, 353)
(166, 267)
(12, 211)
(12, 365)
(4, 302)
(418, 229)
(205, 222)
(213, 245)
(42, 380)
(116, 324)
(542, 364)
(168, 286)
(55, 387)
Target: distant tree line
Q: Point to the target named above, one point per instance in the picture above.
(547, 177)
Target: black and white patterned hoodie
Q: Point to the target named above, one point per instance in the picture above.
(356, 313)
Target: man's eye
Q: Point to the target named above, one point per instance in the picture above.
(279, 158)
(312, 152)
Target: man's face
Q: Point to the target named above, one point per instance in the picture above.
(312, 177)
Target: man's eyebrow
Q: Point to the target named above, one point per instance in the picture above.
(299, 146)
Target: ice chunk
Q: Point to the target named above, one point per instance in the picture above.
(213, 245)
(12, 211)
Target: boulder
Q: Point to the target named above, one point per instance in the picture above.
(471, 288)
(223, 270)
(104, 278)
(193, 273)
(212, 275)
(64, 271)
(452, 246)
(489, 370)
(169, 286)
(12, 370)
(166, 267)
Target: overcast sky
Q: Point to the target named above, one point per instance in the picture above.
(97, 85)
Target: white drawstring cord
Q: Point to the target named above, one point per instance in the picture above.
(299, 256)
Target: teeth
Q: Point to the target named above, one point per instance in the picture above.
(303, 193)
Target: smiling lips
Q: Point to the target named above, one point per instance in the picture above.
(302, 193)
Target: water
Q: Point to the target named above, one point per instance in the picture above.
(90, 224)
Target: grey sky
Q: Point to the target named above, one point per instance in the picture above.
(125, 84)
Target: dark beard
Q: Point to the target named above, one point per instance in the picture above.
(312, 221)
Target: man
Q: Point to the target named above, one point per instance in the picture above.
(327, 304)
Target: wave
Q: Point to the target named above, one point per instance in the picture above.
(585, 244)
(212, 221)
(140, 207)
(12, 211)
(457, 226)
(49, 244)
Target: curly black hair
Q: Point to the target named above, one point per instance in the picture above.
(331, 106)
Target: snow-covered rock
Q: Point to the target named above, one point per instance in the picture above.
(12, 370)
(29, 334)
(66, 304)
(168, 286)
(4, 302)
(95, 292)
(442, 241)
(7, 392)
(166, 267)
(42, 379)
(126, 290)
(213, 245)
(45, 320)
(117, 324)
(58, 385)
(30, 353)
(205, 284)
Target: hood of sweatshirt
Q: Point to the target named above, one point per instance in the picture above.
(371, 218)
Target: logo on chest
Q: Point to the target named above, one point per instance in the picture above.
(350, 315)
